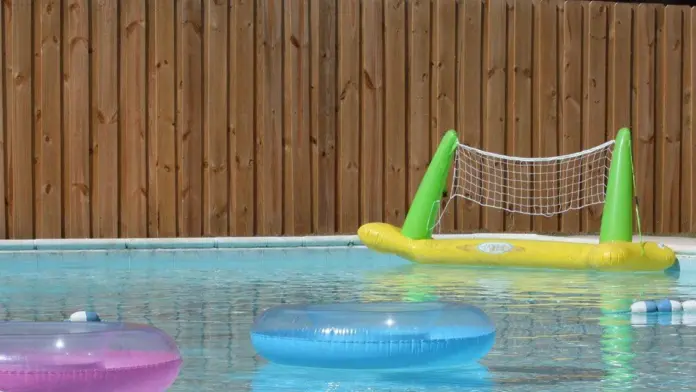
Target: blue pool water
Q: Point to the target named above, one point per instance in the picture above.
(555, 330)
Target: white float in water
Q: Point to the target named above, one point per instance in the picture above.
(83, 316)
(689, 306)
(644, 307)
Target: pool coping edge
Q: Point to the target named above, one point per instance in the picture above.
(681, 245)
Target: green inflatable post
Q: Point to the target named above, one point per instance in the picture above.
(422, 214)
(617, 218)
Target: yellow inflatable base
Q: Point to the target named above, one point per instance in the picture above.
(617, 256)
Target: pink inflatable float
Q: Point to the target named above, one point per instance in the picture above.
(86, 357)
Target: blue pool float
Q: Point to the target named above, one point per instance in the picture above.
(661, 306)
(379, 335)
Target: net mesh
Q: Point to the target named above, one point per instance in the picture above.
(531, 186)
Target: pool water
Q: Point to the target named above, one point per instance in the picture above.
(555, 330)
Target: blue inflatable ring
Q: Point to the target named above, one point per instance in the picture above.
(373, 335)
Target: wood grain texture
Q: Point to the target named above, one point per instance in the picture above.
(621, 33)
(242, 109)
(669, 132)
(443, 91)
(296, 121)
(372, 110)
(133, 119)
(573, 105)
(644, 113)
(105, 120)
(77, 184)
(348, 126)
(547, 103)
(594, 123)
(418, 137)
(190, 117)
(495, 110)
(269, 117)
(4, 188)
(688, 175)
(20, 120)
(48, 131)
(686, 151)
(520, 103)
(161, 133)
(395, 103)
(291, 117)
(324, 95)
(470, 97)
(215, 143)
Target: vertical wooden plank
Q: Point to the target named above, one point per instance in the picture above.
(133, 121)
(47, 120)
(161, 135)
(686, 152)
(348, 135)
(495, 113)
(595, 112)
(19, 133)
(297, 165)
(619, 68)
(659, 107)
(76, 92)
(215, 176)
(644, 112)
(508, 169)
(661, 92)
(469, 97)
(190, 117)
(105, 140)
(572, 113)
(395, 130)
(520, 125)
(418, 94)
(242, 73)
(372, 110)
(323, 25)
(669, 133)
(546, 117)
(443, 94)
(4, 95)
(269, 117)
(689, 136)
(686, 224)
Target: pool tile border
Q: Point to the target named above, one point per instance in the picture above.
(178, 243)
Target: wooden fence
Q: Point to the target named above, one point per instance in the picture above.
(267, 117)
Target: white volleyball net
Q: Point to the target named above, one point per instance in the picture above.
(532, 186)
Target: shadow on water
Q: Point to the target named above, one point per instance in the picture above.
(272, 377)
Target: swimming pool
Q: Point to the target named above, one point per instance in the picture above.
(554, 328)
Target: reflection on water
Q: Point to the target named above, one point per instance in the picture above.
(589, 308)
(555, 330)
(568, 288)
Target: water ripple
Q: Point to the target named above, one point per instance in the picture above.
(556, 330)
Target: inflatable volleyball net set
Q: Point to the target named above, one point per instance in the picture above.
(547, 186)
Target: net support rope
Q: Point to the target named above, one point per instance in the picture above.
(545, 186)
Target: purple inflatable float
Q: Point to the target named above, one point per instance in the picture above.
(82, 357)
